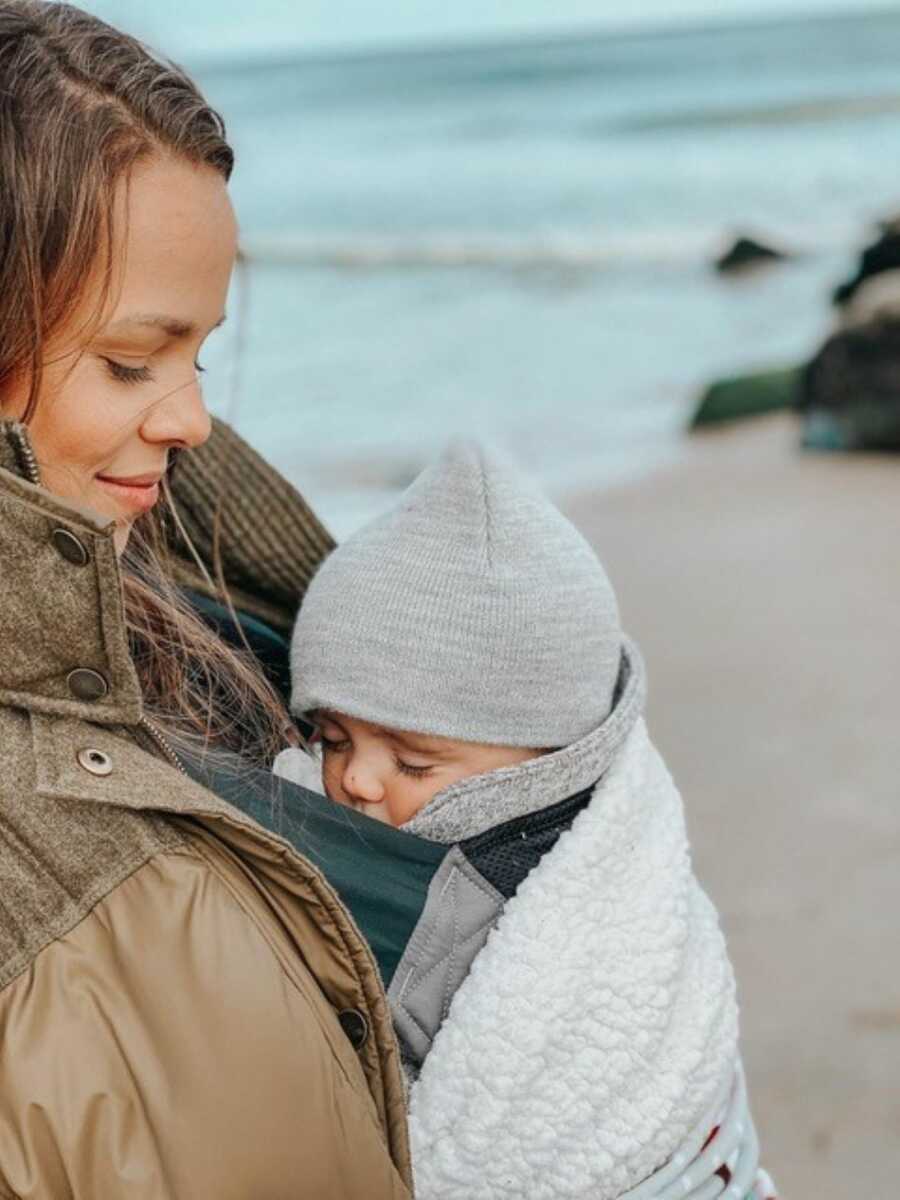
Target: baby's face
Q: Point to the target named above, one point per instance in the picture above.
(390, 775)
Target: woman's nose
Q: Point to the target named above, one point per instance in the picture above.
(363, 784)
(178, 419)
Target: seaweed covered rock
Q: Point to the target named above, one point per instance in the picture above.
(850, 392)
(746, 396)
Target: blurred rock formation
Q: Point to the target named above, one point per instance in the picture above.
(882, 255)
(849, 393)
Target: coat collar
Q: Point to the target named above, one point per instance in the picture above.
(62, 624)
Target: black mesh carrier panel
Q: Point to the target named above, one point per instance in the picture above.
(505, 855)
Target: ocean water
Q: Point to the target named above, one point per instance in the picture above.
(514, 241)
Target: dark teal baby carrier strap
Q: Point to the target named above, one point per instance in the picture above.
(382, 874)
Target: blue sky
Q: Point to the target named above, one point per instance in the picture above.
(202, 28)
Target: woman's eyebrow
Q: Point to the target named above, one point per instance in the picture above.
(173, 326)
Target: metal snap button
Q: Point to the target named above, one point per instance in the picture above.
(69, 547)
(356, 1027)
(95, 761)
(85, 684)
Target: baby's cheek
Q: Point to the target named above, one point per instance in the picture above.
(411, 798)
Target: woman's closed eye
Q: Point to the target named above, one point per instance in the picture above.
(125, 374)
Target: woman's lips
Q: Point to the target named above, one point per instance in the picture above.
(139, 493)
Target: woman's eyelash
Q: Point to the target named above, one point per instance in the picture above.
(328, 745)
(137, 374)
(124, 374)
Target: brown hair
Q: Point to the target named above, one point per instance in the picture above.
(80, 104)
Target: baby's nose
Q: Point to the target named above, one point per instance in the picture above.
(363, 784)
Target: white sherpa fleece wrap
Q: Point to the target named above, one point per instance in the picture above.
(597, 1026)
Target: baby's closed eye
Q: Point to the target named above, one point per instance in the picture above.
(416, 771)
(331, 745)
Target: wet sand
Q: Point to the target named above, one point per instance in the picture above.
(764, 588)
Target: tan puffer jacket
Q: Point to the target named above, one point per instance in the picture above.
(186, 1009)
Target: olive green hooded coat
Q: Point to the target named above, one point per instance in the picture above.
(186, 1009)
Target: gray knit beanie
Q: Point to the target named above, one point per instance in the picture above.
(472, 610)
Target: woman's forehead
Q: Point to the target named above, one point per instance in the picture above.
(176, 247)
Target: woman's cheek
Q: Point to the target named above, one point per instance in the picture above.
(77, 427)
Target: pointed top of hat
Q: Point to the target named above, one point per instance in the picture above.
(475, 500)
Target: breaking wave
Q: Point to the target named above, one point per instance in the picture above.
(561, 250)
(793, 112)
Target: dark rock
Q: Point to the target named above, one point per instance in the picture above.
(881, 255)
(850, 392)
(747, 252)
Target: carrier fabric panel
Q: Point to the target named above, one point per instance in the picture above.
(380, 873)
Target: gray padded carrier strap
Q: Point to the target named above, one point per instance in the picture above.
(460, 910)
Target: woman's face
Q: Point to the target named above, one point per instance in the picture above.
(118, 398)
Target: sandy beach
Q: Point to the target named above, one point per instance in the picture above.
(764, 588)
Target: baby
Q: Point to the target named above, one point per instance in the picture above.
(566, 1004)
(471, 628)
